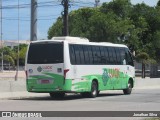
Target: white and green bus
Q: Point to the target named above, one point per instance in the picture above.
(75, 65)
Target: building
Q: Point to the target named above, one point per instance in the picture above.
(13, 43)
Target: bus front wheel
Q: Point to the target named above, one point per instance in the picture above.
(128, 90)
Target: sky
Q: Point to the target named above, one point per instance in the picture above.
(47, 13)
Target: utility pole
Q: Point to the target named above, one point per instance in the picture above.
(17, 69)
(97, 3)
(1, 37)
(65, 4)
(33, 33)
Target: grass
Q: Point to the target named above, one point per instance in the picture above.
(152, 119)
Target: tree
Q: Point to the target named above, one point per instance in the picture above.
(93, 24)
(56, 29)
(22, 55)
(118, 21)
(121, 8)
(8, 55)
(79, 22)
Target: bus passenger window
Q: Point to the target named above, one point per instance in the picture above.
(72, 54)
(129, 57)
(122, 54)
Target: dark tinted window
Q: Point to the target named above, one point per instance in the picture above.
(99, 55)
(96, 55)
(118, 56)
(86, 54)
(110, 51)
(45, 53)
(90, 54)
(103, 57)
(129, 60)
(95, 59)
(81, 53)
(77, 54)
(114, 56)
(123, 56)
(72, 55)
(106, 55)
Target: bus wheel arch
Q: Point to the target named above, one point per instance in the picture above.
(131, 80)
(128, 90)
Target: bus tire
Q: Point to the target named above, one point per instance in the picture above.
(98, 93)
(57, 95)
(129, 88)
(94, 90)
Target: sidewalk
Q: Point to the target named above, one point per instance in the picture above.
(147, 83)
(21, 94)
(11, 74)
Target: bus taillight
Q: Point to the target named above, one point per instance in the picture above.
(65, 72)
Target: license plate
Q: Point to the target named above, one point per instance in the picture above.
(45, 81)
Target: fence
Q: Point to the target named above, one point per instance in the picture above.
(152, 70)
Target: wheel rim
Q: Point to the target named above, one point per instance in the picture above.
(94, 90)
(129, 86)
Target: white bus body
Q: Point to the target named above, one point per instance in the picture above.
(73, 64)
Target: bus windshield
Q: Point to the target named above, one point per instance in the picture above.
(45, 53)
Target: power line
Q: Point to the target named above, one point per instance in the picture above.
(41, 16)
(28, 19)
(46, 4)
(40, 4)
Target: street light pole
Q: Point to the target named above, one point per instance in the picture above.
(1, 37)
(97, 3)
(33, 20)
(16, 76)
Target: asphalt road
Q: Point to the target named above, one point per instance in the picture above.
(139, 100)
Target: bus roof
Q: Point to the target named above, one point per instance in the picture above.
(79, 40)
(71, 39)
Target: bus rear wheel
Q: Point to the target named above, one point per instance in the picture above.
(129, 88)
(94, 90)
(57, 95)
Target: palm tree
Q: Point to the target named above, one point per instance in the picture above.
(8, 56)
